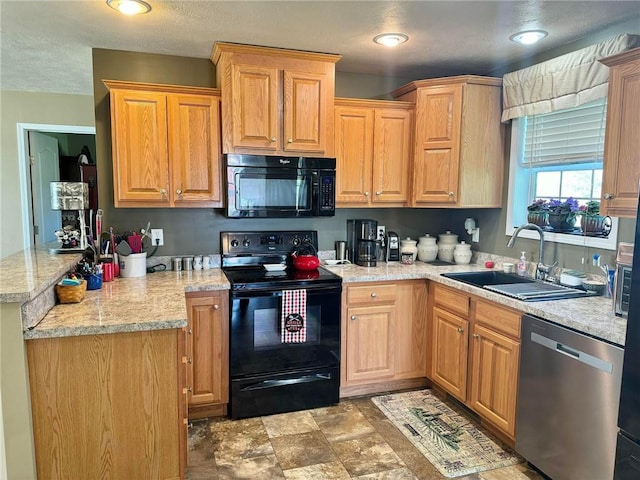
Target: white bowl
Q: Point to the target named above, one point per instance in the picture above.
(274, 267)
(336, 262)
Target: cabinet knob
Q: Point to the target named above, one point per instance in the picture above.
(374, 294)
(608, 196)
(178, 192)
(190, 361)
(273, 139)
(378, 193)
(163, 191)
(189, 331)
(451, 194)
(366, 194)
(353, 317)
(475, 335)
(190, 389)
(216, 307)
(290, 140)
(460, 330)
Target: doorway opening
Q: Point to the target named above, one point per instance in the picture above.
(51, 153)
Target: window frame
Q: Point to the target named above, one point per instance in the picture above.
(517, 139)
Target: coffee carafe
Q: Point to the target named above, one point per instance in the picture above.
(362, 235)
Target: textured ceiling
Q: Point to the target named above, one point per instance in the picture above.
(46, 45)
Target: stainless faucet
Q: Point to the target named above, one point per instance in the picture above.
(542, 270)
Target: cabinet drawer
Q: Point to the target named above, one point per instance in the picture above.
(374, 293)
(452, 300)
(498, 318)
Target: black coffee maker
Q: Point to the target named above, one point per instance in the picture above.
(363, 248)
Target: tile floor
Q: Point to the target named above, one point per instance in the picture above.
(350, 440)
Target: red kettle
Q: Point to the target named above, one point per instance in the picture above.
(303, 260)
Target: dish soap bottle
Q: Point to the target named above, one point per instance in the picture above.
(521, 268)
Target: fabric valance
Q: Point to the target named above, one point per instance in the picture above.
(562, 82)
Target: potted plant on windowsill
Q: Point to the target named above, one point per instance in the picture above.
(592, 222)
(562, 214)
(538, 213)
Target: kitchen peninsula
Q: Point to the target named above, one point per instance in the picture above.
(152, 309)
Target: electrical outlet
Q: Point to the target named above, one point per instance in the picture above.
(157, 237)
(382, 230)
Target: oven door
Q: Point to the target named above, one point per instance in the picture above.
(269, 376)
(256, 340)
(271, 192)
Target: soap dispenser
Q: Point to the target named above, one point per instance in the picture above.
(522, 265)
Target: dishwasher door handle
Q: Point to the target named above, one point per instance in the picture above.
(578, 355)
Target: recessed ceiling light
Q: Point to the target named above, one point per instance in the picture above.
(130, 7)
(391, 39)
(528, 37)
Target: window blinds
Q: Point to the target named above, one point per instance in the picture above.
(569, 136)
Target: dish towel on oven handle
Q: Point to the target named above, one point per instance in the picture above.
(294, 316)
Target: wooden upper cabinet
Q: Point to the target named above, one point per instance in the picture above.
(275, 101)
(194, 144)
(373, 152)
(255, 108)
(458, 158)
(139, 142)
(621, 169)
(165, 145)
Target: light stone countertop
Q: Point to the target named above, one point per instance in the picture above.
(153, 302)
(26, 274)
(593, 316)
(157, 300)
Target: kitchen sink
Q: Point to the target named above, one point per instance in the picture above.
(521, 288)
(489, 277)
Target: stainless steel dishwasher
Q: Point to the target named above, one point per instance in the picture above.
(568, 396)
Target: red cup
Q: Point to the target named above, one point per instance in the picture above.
(107, 272)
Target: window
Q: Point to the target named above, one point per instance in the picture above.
(558, 155)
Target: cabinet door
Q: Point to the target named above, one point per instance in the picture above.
(207, 350)
(410, 330)
(621, 171)
(139, 143)
(194, 123)
(391, 155)
(494, 377)
(354, 153)
(307, 102)
(437, 155)
(370, 343)
(449, 361)
(254, 108)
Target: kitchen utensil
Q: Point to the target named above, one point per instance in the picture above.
(304, 258)
(341, 250)
(135, 242)
(124, 249)
(99, 230)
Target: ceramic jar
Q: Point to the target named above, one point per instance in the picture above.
(427, 248)
(409, 246)
(462, 253)
(446, 244)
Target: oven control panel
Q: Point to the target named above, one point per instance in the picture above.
(261, 243)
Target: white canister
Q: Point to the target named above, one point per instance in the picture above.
(409, 246)
(445, 251)
(427, 248)
(447, 238)
(134, 265)
(462, 253)
(206, 262)
(197, 262)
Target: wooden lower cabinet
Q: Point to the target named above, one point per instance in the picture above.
(475, 356)
(383, 335)
(207, 353)
(109, 406)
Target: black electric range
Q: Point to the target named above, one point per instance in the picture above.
(268, 372)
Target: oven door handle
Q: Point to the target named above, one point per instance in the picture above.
(318, 377)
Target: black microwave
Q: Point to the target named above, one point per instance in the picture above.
(261, 186)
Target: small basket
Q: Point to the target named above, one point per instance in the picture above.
(71, 293)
